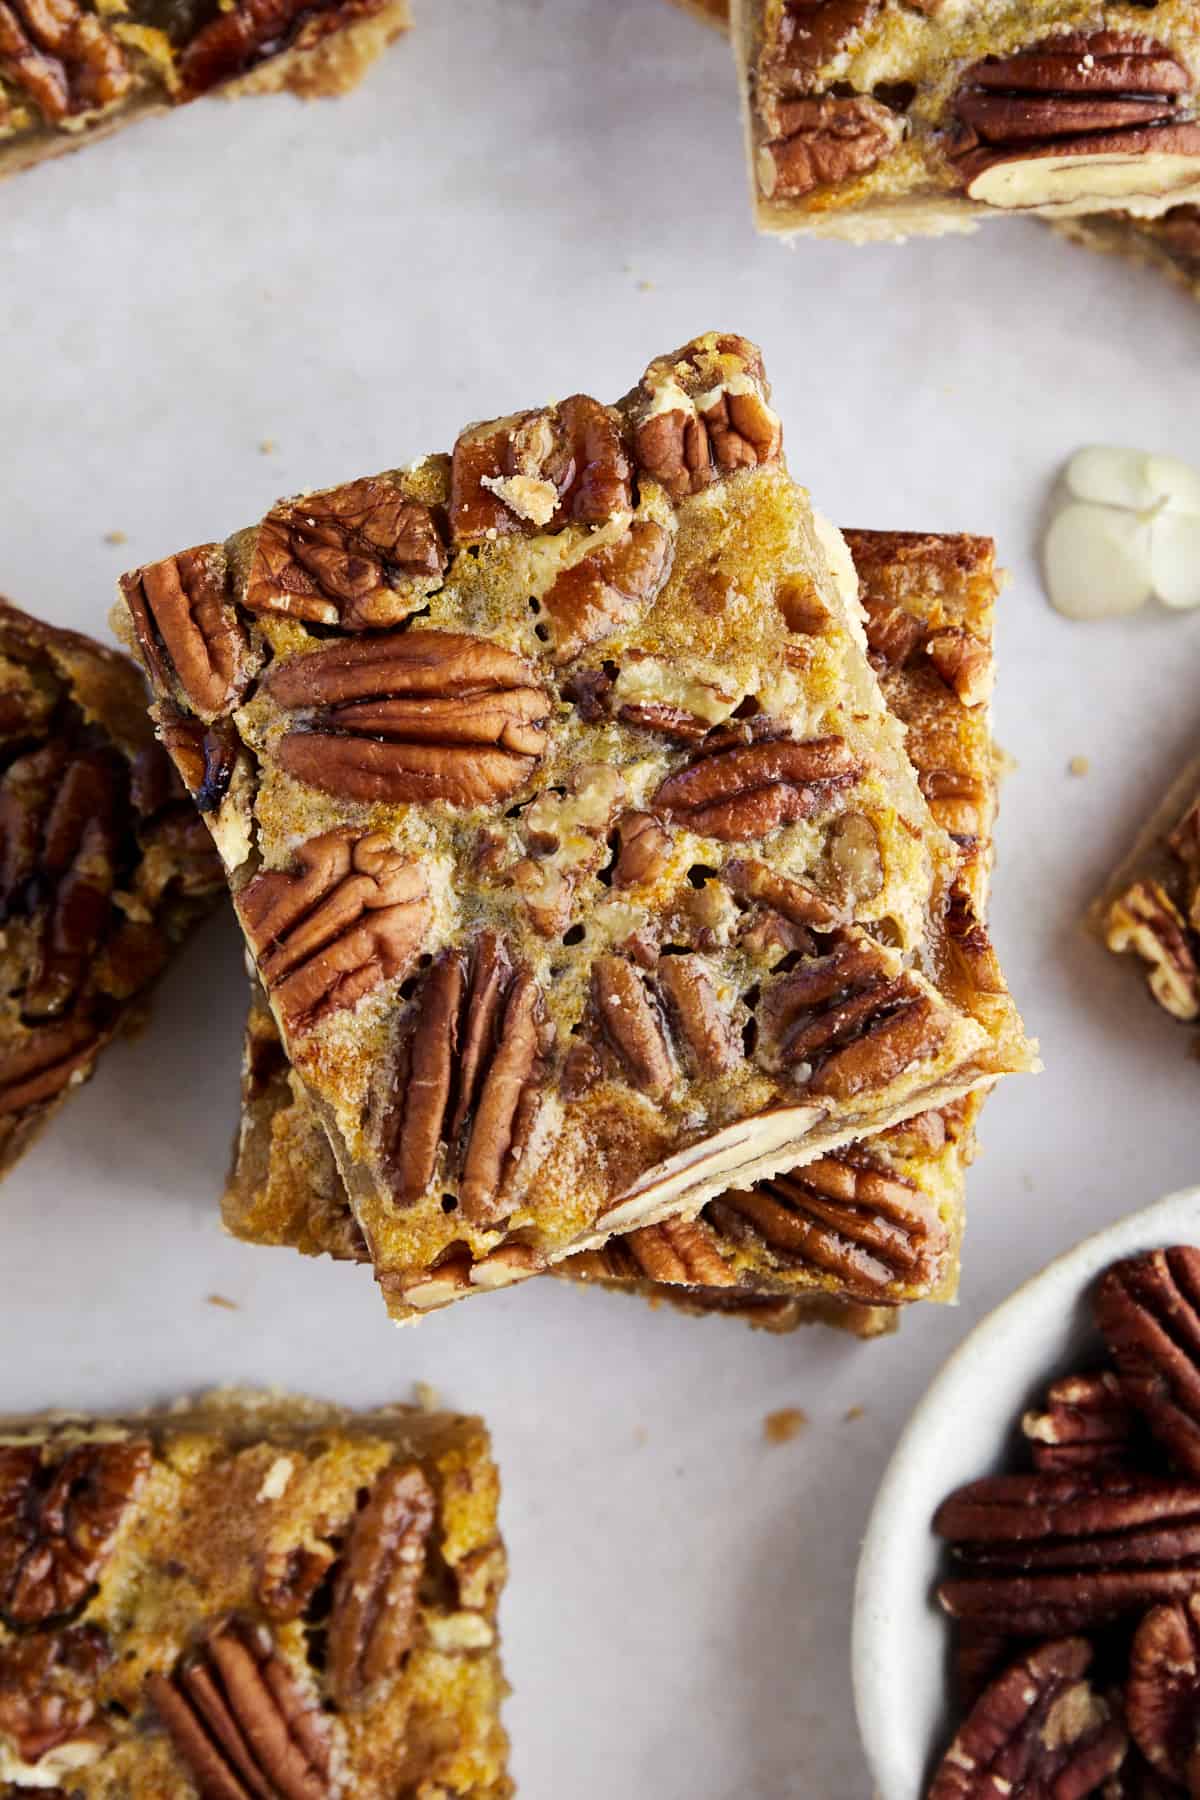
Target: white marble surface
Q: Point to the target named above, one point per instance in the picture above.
(529, 197)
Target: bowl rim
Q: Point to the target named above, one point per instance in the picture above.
(880, 1666)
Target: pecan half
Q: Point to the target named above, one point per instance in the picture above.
(643, 849)
(1146, 920)
(374, 1617)
(350, 915)
(607, 589)
(849, 1018)
(825, 142)
(241, 1723)
(1162, 1691)
(632, 1026)
(783, 894)
(46, 1062)
(360, 557)
(702, 1025)
(539, 471)
(1148, 1308)
(415, 717)
(468, 1079)
(753, 789)
(1030, 124)
(807, 34)
(702, 413)
(1085, 1422)
(187, 629)
(58, 1523)
(1064, 1551)
(61, 56)
(847, 1216)
(48, 1691)
(1038, 1731)
(682, 1252)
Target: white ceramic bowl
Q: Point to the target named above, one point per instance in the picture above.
(963, 1428)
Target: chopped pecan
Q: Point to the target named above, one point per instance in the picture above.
(468, 1078)
(702, 413)
(46, 1061)
(893, 633)
(75, 877)
(1038, 1731)
(632, 1026)
(960, 802)
(413, 716)
(539, 471)
(703, 1027)
(1061, 1550)
(752, 789)
(825, 142)
(241, 1722)
(1085, 1422)
(785, 895)
(187, 629)
(374, 1617)
(1146, 920)
(58, 1523)
(607, 589)
(1148, 1308)
(847, 1216)
(289, 1578)
(361, 557)
(1111, 95)
(849, 1017)
(680, 1251)
(963, 661)
(1162, 1691)
(807, 34)
(855, 859)
(352, 914)
(61, 56)
(47, 1691)
(643, 849)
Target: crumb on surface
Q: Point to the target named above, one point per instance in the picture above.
(782, 1426)
(852, 1414)
(222, 1300)
(115, 537)
(640, 1435)
(645, 287)
(267, 446)
(1078, 765)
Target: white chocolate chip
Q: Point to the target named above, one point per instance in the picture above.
(1129, 527)
(275, 1481)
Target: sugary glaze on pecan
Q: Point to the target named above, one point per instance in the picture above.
(284, 1186)
(76, 67)
(880, 118)
(251, 1596)
(411, 793)
(104, 867)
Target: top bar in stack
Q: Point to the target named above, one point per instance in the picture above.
(81, 69)
(493, 749)
(877, 118)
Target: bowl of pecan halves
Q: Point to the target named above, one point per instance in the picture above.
(1027, 1610)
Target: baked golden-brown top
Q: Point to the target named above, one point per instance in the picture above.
(104, 868)
(879, 118)
(250, 1598)
(79, 69)
(875, 1224)
(509, 750)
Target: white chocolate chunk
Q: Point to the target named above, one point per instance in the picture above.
(1175, 559)
(1132, 529)
(1097, 562)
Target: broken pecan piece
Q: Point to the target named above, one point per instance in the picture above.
(468, 1078)
(680, 1251)
(360, 557)
(809, 33)
(413, 716)
(351, 914)
(702, 413)
(47, 1691)
(58, 1523)
(46, 1062)
(539, 471)
(374, 1617)
(1148, 1309)
(643, 848)
(752, 789)
(964, 662)
(1063, 117)
(233, 41)
(62, 57)
(825, 142)
(1162, 1691)
(1146, 920)
(187, 629)
(606, 589)
(1037, 1732)
(1085, 1422)
(241, 1722)
(846, 1216)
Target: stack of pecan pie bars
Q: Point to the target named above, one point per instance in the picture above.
(611, 841)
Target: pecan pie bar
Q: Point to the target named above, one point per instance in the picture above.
(882, 118)
(505, 755)
(250, 1597)
(1151, 907)
(103, 871)
(80, 69)
(1170, 244)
